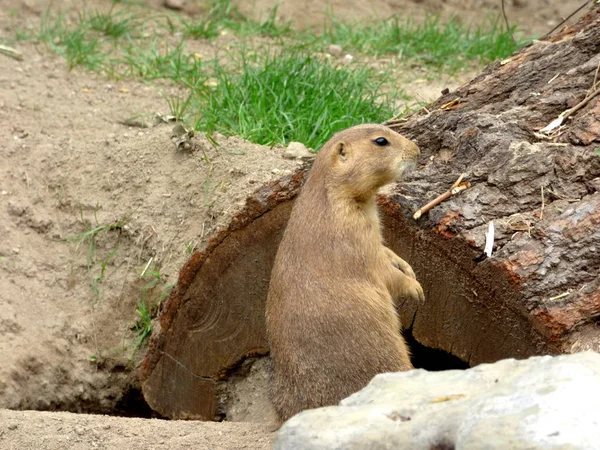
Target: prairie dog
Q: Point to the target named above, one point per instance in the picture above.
(331, 318)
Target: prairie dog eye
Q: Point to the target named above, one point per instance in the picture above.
(381, 141)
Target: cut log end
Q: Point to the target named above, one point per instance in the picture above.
(215, 317)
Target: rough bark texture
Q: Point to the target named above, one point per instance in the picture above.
(491, 135)
(540, 291)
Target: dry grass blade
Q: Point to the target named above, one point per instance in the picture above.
(11, 52)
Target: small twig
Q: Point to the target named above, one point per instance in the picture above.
(553, 78)
(506, 22)
(393, 119)
(146, 268)
(456, 188)
(581, 104)
(450, 105)
(11, 52)
(569, 112)
(564, 20)
(425, 102)
(595, 84)
(393, 122)
(458, 181)
(563, 295)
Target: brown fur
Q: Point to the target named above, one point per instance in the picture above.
(331, 319)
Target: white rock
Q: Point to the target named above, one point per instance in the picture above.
(540, 403)
(335, 50)
(174, 4)
(297, 150)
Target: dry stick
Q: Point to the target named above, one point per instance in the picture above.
(456, 188)
(581, 104)
(565, 114)
(595, 78)
(564, 20)
(457, 182)
(146, 268)
(506, 22)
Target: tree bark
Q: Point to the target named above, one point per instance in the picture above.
(538, 293)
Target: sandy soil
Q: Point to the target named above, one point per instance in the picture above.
(33, 430)
(68, 165)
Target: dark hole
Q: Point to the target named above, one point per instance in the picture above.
(431, 358)
(133, 404)
(443, 446)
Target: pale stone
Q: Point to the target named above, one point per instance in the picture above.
(539, 403)
(297, 150)
(335, 50)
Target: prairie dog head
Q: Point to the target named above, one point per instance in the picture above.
(366, 157)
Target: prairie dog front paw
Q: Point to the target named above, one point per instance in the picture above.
(399, 263)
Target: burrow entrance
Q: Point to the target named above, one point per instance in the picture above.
(215, 317)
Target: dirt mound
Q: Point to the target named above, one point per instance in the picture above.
(86, 204)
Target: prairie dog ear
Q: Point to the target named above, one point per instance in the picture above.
(341, 151)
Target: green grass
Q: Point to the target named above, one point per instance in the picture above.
(75, 45)
(112, 24)
(290, 96)
(89, 239)
(98, 40)
(156, 60)
(429, 43)
(279, 96)
(151, 275)
(100, 276)
(143, 326)
(223, 15)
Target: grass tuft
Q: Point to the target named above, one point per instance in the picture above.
(290, 96)
(223, 15)
(113, 25)
(161, 61)
(143, 326)
(277, 97)
(431, 43)
(89, 238)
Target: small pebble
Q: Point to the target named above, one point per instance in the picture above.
(297, 150)
(335, 50)
(174, 4)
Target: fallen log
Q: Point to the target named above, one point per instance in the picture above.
(533, 170)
